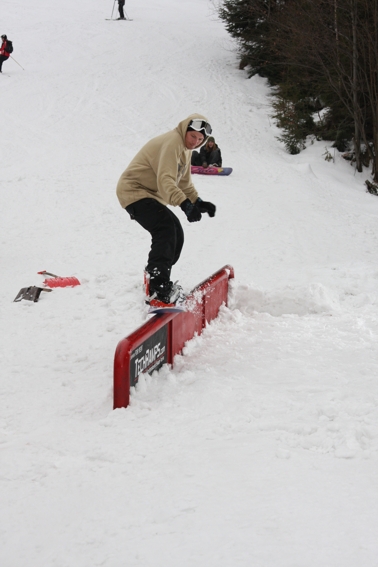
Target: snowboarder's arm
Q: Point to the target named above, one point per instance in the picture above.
(168, 173)
(187, 186)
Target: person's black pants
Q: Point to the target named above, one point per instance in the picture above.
(2, 59)
(213, 157)
(166, 232)
(196, 158)
(120, 9)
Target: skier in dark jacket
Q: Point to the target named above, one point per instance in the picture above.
(209, 154)
(121, 4)
(4, 55)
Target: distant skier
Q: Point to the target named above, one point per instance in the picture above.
(121, 4)
(4, 54)
(159, 175)
(209, 154)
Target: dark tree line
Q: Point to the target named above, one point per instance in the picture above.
(318, 54)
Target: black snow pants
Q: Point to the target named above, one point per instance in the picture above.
(166, 232)
(196, 158)
(121, 4)
(2, 59)
(209, 157)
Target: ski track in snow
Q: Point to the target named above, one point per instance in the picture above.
(259, 447)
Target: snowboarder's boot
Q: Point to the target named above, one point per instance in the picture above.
(164, 293)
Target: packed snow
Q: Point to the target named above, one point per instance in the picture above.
(259, 447)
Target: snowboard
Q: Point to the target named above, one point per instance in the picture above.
(168, 309)
(211, 170)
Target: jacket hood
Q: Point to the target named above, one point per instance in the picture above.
(184, 124)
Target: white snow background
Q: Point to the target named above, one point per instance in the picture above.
(259, 447)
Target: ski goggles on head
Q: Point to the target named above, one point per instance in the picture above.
(197, 124)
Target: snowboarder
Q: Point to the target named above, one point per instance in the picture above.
(4, 54)
(121, 4)
(209, 154)
(159, 175)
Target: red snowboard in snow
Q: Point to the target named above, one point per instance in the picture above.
(211, 170)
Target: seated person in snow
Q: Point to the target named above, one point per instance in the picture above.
(208, 155)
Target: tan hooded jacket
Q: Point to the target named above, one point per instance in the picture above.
(161, 170)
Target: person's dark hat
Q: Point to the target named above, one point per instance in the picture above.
(4, 36)
(211, 139)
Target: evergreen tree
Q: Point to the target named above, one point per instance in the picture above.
(317, 53)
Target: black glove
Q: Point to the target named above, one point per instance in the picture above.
(191, 210)
(206, 207)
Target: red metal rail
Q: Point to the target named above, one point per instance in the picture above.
(163, 336)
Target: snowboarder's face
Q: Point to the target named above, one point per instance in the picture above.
(193, 139)
(210, 144)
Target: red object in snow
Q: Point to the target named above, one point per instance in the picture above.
(61, 282)
(57, 281)
(164, 335)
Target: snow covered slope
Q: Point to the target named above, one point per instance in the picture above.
(260, 447)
